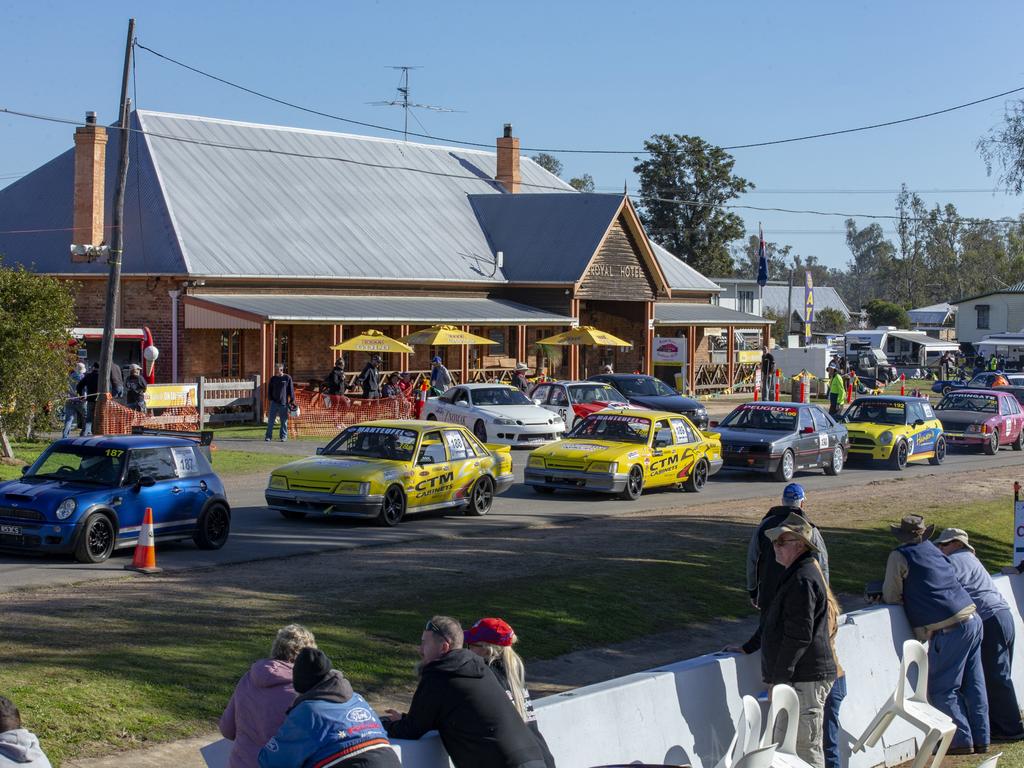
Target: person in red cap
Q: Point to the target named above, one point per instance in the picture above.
(492, 640)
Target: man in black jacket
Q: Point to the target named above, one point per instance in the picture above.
(795, 646)
(336, 379)
(462, 699)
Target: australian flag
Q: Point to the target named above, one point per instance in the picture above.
(762, 261)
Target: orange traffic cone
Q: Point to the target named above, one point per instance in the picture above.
(145, 551)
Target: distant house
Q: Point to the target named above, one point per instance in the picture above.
(779, 299)
(990, 313)
(937, 320)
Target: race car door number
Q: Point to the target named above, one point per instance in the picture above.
(823, 440)
(10, 530)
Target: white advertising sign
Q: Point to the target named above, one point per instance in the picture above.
(669, 350)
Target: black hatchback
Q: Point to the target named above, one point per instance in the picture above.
(655, 394)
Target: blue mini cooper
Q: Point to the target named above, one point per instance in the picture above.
(88, 495)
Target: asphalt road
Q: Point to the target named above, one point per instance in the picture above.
(260, 533)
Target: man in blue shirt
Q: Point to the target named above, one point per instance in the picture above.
(997, 641)
(281, 396)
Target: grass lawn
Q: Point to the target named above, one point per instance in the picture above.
(256, 432)
(225, 462)
(92, 677)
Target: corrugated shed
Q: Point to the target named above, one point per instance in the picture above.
(680, 275)
(935, 314)
(825, 297)
(385, 309)
(680, 313)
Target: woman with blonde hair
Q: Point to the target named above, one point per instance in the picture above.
(262, 697)
(492, 640)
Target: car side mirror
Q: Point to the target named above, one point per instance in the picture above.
(146, 481)
(462, 403)
(919, 423)
(538, 401)
(24, 469)
(713, 424)
(319, 451)
(424, 460)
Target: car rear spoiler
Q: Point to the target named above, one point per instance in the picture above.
(203, 437)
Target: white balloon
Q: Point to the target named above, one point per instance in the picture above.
(151, 353)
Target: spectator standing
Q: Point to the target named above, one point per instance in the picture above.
(73, 409)
(262, 697)
(462, 699)
(116, 381)
(922, 579)
(836, 392)
(135, 388)
(831, 728)
(391, 387)
(18, 746)
(329, 724)
(767, 371)
(796, 648)
(370, 378)
(281, 394)
(492, 640)
(519, 380)
(440, 377)
(89, 388)
(335, 381)
(997, 634)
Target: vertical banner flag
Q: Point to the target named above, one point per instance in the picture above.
(1018, 529)
(762, 260)
(808, 304)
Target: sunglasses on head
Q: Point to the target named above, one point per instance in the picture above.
(432, 627)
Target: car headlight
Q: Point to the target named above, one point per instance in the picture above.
(536, 461)
(278, 482)
(885, 438)
(604, 467)
(349, 488)
(66, 509)
(505, 422)
(973, 428)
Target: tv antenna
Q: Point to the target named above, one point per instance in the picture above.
(403, 100)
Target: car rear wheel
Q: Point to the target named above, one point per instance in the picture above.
(835, 466)
(481, 497)
(289, 515)
(698, 477)
(214, 527)
(480, 431)
(96, 543)
(899, 456)
(392, 509)
(940, 452)
(1018, 444)
(787, 466)
(991, 448)
(634, 484)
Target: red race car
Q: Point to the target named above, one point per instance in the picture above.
(982, 418)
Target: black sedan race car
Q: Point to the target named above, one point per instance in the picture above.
(782, 439)
(649, 392)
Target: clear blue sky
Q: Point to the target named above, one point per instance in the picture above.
(578, 74)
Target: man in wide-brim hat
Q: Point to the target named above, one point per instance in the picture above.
(921, 578)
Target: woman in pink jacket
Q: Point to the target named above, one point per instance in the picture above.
(262, 697)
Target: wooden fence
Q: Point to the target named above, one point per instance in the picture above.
(226, 401)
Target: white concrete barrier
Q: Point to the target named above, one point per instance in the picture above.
(685, 712)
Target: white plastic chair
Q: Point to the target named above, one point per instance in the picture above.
(912, 705)
(762, 757)
(991, 762)
(747, 735)
(784, 699)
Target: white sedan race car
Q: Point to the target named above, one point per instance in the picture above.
(497, 414)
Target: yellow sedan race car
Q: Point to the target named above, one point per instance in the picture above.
(894, 429)
(625, 451)
(381, 469)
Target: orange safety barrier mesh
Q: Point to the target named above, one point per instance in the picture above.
(114, 418)
(325, 415)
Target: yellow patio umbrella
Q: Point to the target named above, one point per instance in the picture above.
(444, 336)
(584, 336)
(372, 341)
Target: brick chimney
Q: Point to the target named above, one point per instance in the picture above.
(508, 160)
(90, 170)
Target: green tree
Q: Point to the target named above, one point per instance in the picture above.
(36, 312)
(779, 330)
(871, 264)
(881, 312)
(582, 183)
(830, 320)
(549, 163)
(684, 184)
(1002, 149)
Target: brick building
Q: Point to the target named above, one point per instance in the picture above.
(249, 244)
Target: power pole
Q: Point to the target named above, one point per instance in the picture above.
(789, 308)
(114, 278)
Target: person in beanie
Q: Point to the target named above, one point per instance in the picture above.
(335, 381)
(262, 697)
(135, 388)
(492, 640)
(796, 647)
(73, 408)
(460, 697)
(18, 746)
(328, 724)
(997, 634)
(519, 380)
(940, 610)
(370, 378)
(440, 377)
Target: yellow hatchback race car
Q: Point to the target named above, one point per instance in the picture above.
(381, 469)
(625, 451)
(894, 429)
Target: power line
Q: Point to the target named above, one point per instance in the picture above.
(492, 182)
(566, 151)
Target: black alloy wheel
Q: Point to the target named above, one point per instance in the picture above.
(481, 497)
(698, 477)
(940, 452)
(900, 455)
(634, 483)
(392, 509)
(214, 528)
(96, 542)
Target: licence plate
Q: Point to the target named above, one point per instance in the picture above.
(10, 530)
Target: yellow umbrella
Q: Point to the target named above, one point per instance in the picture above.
(372, 341)
(445, 336)
(585, 336)
(803, 372)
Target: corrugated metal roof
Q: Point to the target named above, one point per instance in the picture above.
(1015, 288)
(934, 314)
(936, 345)
(680, 275)
(385, 309)
(825, 297)
(680, 313)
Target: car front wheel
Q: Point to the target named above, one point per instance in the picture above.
(634, 484)
(392, 509)
(480, 431)
(96, 543)
(786, 468)
(991, 448)
(900, 454)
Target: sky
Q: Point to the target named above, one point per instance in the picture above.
(570, 74)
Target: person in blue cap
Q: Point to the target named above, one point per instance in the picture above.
(440, 377)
